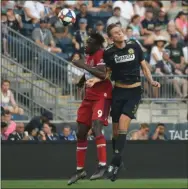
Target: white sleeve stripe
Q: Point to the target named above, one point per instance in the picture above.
(100, 64)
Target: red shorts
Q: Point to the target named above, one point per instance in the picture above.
(94, 110)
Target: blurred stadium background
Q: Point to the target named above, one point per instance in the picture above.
(43, 82)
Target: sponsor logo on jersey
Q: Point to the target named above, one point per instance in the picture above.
(124, 58)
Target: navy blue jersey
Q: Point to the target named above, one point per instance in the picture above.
(125, 62)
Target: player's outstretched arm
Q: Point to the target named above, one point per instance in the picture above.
(98, 71)
(148, 75)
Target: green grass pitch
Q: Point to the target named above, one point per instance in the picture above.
(127, 183)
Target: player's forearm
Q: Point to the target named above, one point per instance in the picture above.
(147, 74)
(100, 73)
(96, 72)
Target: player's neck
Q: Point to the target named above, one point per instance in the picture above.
(120, 45)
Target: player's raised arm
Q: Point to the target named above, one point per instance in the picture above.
(98, 71)
(148, 75)
(145, 68)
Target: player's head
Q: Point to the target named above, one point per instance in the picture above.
(115, 33)
(94, 43)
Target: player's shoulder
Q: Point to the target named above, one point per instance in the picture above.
(99, 52)
(109, 48)
(133, 43)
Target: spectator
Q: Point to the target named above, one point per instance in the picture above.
(162, 19)
(7, 99)
(173, 10)
(159, 133)
(182, 24)
(56, 26)
(72, 4)
(4, 127)
(100, 29)
(81, 35)
(14, 20)
(90, 135)
(139, 9)
(126, 7)
(33, 133)
(43, 37)
(7, 118)
(48, 9)
(34, 11)
(83, 14)
(100, 5)
(136, 26)
(171, 28)
(176, 53)
(38, 121)
(66, 134)
(148, 23)
(164, 67)
(142, 133)
(149, 40)
(157, 51)
(18, 134)
(117, 18)
(129, 33)
(4, 30)
(156, 6)
(76, 56)
(48, 132)
(5, 4)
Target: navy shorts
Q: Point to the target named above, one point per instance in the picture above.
(125, 101)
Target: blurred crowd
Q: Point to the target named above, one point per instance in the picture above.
(161, 27)
(40, 128)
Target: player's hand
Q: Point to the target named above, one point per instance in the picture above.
(155, 84)
(91, 82)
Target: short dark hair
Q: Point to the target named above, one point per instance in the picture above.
(115, 8)
(160, 124)
(7, 112)
(129, 28)
(109, 28)
(5, 81)
(98, 37)
(134, 17)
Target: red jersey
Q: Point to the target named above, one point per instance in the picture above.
(102, 89)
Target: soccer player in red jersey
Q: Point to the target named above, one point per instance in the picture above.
(94, 110)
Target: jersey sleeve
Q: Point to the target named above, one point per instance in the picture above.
(140, 52)
(107, 59)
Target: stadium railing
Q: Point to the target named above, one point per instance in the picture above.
(64, 76)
